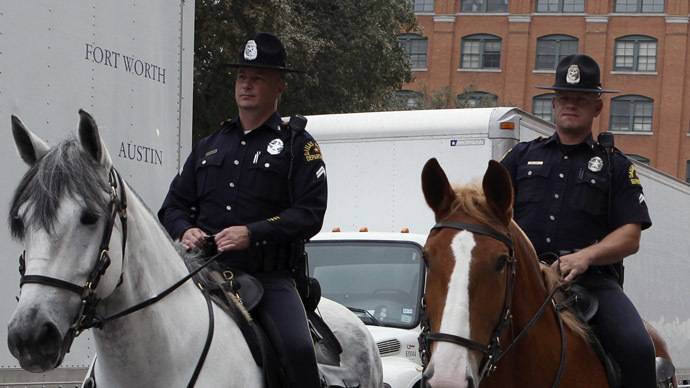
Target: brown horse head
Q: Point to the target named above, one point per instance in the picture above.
(466, 277)
(483, 275)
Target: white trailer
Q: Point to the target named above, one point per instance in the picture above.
(129, 64)
(374, 163)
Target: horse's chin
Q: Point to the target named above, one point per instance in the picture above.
(37, 360)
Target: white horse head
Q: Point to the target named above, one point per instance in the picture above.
(59, 211)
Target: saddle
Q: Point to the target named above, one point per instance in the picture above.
(585, 305)
(243, 292)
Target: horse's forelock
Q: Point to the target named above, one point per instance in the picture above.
(470, 199)
(64, 170)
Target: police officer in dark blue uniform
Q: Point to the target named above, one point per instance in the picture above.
(259, 187)
(574, 197)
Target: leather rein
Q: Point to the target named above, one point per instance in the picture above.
(492, 351)
(87, 317)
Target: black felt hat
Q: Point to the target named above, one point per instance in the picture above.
(578, 73)
(265, 51)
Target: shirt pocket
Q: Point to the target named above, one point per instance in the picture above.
(268, 176)
(208, 173)
(590, 193)
(532, 182)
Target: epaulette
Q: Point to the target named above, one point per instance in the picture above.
(540, 138)
(226, 121)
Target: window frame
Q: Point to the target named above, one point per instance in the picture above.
(405, 39)
(424, 5)
(484, 4)
(636, 40)
(477, 96)
(558, 39)
(408, 95)
(482, 40)
(639, 6)
(561, 4)
(632, 100)
(546, 98)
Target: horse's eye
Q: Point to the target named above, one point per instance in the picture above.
(501, 263)
(88, 217)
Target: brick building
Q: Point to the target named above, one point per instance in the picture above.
(504, 48)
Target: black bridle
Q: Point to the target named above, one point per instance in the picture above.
(87, 317)
(492, 351)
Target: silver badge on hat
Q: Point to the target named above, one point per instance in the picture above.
(573, 76)
(275, 146)
(250, 50)
(595, 164)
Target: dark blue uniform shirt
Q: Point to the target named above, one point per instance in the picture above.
(235, 179)
(562, 193)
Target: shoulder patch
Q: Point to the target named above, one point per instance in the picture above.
(632, 175)
(312, 151)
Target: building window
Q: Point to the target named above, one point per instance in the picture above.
(631, 113)
(560, 5)
(407, 99)
(552, 48)
(687, 171)
(481, 52)
(639, 158)
(640, 6)
(635, 53)
(484, 6)
(423, 5)
(476, 100)
(542, 106)
(415, 45)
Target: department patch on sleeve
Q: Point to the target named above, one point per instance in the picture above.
(312, 151)
(632, 175)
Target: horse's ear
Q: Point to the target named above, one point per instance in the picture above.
(498, 190)
(437, 190)
(31, 148)
(91, 141)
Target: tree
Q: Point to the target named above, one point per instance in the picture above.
(349, 48)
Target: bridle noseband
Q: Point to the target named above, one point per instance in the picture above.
(492, 352)
(86, 317)
(493, 349)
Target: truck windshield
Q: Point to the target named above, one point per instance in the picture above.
(380, 281)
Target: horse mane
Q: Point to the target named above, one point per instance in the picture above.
(551, 280)
(65, 169)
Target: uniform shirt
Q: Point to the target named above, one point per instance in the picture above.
(561, 193)
(232, 178)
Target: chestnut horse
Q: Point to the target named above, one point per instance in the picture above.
(490, 317)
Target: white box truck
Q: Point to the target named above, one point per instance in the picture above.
(374, 163)
(129, 64)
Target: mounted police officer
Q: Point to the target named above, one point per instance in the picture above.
(584, 201)
(258, 187)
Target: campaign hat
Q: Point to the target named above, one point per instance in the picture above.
(263, 50)
(578, 73)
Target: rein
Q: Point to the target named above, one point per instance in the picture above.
(492, 351)
(87, 317)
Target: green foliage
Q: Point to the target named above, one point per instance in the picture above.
(348, 47)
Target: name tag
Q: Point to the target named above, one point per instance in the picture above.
(535, 162)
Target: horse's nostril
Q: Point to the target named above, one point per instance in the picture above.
(48, 339)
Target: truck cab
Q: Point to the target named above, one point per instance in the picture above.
(380, 277)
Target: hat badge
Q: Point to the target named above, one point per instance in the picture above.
(250, 50)
(573, 75)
